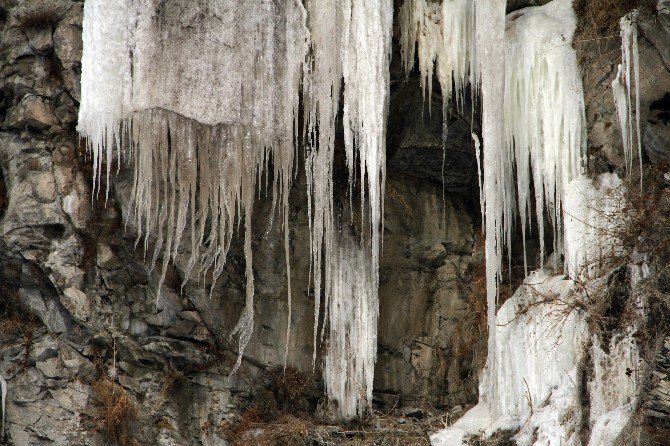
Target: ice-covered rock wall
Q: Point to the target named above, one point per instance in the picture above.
(539, 344)
(201, 157)
(198, 153)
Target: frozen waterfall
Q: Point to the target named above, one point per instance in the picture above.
(204, 100)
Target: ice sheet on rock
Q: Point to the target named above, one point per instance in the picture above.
(353, 311)
(610, 426)
(593, 212)
(205, 97)
(474, 422)
(615, 386)
(626, 89)
(540, 338)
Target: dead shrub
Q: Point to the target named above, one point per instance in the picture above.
(254, 428)
(172, 381)
(396, 196)
(471, 345)
(116, 413)
(599, 19)
(15, 322)
(289, 383)
(164, 424)
(3, 196)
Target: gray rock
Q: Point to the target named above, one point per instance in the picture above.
(77, 303)
(33, 112)
(50, 314)
(40, 40)
(52, 368)
(663, 8)
(656, 137)
(513, 5)
(413, 412)
(44, 349)
(177, 350)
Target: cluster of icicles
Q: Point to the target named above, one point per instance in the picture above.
(533, 123)
(204, 98)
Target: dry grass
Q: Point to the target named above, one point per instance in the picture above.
(499, 438)
(116, 413)
(599, 19)
(289, 383)
(287, 430)
(252, 429)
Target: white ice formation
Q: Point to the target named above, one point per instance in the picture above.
(351, 49)
(626, 90)
(444, 36)
(594, 213)
(537, 339)
(201, 97)
(544, 120)
(526, 71)
(539, 344)
(490, 74)
(353, 310)
(204, 97)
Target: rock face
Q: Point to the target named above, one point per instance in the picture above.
(79, 309)
(79, 312)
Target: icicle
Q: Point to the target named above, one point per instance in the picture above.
(322, 96)
(200, 131)
(544, 116)
(628, 74)
(352, 341)
(3, 403)
(351, 42)
(105, 80)
(490, 48)
(444, 35)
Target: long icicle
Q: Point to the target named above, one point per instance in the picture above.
(490, 51)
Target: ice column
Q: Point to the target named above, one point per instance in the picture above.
(351, 45)
(352, 314)
(490, 50)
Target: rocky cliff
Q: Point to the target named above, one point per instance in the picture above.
(92, 355)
